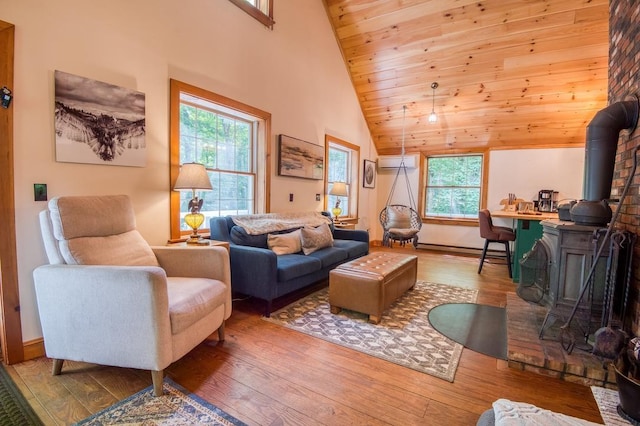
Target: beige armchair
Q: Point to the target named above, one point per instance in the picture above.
(109, 298)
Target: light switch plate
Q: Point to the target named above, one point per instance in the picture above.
(40, 191)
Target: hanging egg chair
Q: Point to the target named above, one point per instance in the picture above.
(400, 223)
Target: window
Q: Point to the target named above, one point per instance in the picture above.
(228, 138)
(342, 166)
(262, 10)
(453, 187)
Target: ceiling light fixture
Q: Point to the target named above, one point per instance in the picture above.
(433, 117)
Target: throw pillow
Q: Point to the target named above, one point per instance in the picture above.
(398, 217)
(314, 239)
(287, 243)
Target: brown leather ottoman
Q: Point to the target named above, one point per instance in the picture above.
(370, 284)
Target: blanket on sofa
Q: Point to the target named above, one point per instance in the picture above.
(256, 224)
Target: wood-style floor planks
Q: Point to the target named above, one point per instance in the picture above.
(265, 374)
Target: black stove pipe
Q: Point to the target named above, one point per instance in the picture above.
(600, 155)
(600, 149)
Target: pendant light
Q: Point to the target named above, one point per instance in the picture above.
(433, 117)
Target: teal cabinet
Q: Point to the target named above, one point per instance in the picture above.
(528, 231)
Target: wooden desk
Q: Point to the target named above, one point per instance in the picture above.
(528, 231)
(524, 216)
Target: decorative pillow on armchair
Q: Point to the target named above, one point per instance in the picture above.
(315, 238)
(287, 243)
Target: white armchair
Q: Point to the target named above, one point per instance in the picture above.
(109, 298)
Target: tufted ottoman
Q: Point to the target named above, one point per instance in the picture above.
(370, 284)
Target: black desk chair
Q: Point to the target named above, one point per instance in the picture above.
(494, 234)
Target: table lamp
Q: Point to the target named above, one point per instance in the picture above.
(339, 189)
(194, 176)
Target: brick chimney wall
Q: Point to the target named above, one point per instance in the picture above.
(624, 81)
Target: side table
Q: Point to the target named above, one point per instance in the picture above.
(224, 244)
(344, 225)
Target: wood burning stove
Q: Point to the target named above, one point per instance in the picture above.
(573, 249)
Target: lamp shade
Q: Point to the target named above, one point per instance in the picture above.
(193, 176)
(339, 189)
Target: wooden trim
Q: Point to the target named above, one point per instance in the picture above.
(267, 162)
(483, 186)
(422, 181)
(266, 20)
(458, 222)
(264, 136)
(485, 179)
(174, 157)
(355, 175)
(11, 330)
(34, 349)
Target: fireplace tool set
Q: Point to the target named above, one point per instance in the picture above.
(608, 341)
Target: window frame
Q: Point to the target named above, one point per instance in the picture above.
(257, 13)
(262, 150)
(423, 185)
(354, 178)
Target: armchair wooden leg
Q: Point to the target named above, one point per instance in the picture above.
(57, 367)
(221, 332)
(156, 378)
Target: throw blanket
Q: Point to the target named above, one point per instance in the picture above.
(256, 224)
(509, 413)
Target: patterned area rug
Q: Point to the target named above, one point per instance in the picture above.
(177, 407)
(403, 336)
(14, 408)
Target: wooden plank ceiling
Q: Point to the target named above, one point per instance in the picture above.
(511, 73)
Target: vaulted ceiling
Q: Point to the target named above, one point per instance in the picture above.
(510, 73)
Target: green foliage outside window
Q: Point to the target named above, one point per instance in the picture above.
(338, 171)
(224, 145)
(453, 186)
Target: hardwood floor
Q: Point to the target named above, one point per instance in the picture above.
(265, 374)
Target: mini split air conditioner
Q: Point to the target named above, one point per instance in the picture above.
(388, 162)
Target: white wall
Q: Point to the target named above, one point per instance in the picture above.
(295, 72)
(523, 172)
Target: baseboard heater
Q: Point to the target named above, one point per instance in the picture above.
(459, 249)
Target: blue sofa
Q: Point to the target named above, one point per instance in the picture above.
(257, 271)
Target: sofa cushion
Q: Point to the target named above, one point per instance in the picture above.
(292, 266)
(330, 256)
(191, 299)
(239, 236)
(353, 248)
(287, 243)
(316, 238)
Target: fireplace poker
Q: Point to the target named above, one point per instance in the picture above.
(609, 341)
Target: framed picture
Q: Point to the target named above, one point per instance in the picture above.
(369, 174)
(300, 159)
(98, 123)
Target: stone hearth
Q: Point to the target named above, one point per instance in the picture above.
(527, 352)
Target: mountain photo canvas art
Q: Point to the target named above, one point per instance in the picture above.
(98, 123)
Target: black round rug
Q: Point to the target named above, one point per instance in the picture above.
(481, 328)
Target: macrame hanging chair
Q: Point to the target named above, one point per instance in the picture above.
(400, 223)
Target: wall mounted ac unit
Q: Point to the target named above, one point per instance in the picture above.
(386, 162)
